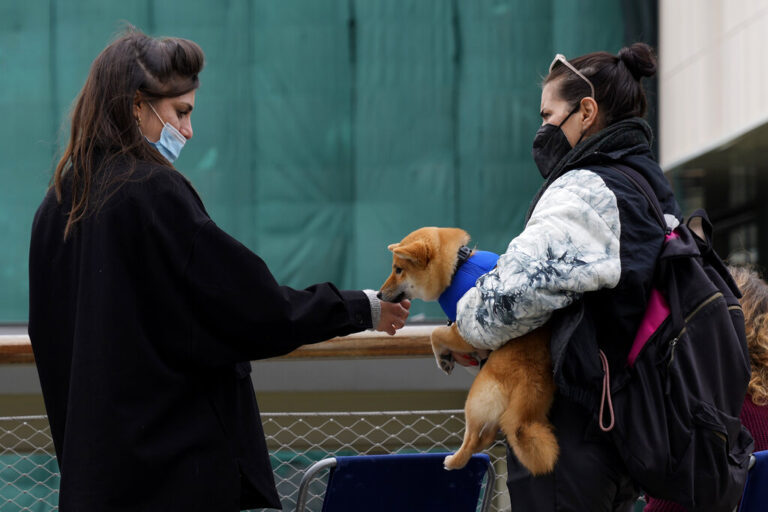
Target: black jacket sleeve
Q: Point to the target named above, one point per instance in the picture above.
(236, 309)
(238, 301)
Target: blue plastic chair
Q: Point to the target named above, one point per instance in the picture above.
(401, 482)
(755, 497)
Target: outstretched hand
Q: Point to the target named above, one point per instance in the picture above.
(393, 315)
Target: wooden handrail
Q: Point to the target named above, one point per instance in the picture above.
(410, 341)
(15, 348)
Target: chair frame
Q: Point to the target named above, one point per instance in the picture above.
(752, 462)
(330, 463)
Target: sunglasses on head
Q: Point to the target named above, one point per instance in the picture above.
(561, 58)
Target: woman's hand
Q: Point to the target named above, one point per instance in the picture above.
(393, 315)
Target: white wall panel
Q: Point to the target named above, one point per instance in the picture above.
(712, 74)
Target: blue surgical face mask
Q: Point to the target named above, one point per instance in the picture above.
(171, 140)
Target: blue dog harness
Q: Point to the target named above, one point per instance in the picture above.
(467, 273)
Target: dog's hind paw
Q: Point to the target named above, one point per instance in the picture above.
(456, 461)
(446, 362)
(450, 464)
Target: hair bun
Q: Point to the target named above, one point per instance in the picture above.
(639, 60)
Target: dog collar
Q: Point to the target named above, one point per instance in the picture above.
(464, 253)
(468, 270)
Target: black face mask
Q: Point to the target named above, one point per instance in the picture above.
(550, 145)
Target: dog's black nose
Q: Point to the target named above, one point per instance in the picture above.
(378, 295)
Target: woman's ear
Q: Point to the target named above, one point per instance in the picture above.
(588, 112)
(137, 106)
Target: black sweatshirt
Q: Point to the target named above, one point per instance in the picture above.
(142, 324)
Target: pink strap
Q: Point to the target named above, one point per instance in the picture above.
(606, 394)
(656, 311)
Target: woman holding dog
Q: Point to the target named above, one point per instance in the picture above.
(144, 314)
(584, 261)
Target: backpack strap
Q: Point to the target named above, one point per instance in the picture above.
(700, 225)
(639, 181)
(642, 185)
(671, 290)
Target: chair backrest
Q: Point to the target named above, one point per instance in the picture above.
(755, 497)
(402, 482)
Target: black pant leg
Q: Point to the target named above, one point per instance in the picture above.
(588, 476)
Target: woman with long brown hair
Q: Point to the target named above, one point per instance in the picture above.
(144, 314)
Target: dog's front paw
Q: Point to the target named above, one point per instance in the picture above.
(445, 362)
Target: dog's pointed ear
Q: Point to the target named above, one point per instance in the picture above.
(392, 247)
(417, 252)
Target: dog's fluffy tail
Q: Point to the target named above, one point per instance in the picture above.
(533, 442)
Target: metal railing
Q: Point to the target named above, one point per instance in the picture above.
(29, 477)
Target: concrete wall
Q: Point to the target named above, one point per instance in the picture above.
(308, 385)
(712, 76)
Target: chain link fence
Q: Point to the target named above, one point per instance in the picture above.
(29, 474)
(298, 440)
(29, 478)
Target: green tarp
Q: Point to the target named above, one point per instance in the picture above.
(324, 129)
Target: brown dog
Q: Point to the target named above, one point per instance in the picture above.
(513, 390)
